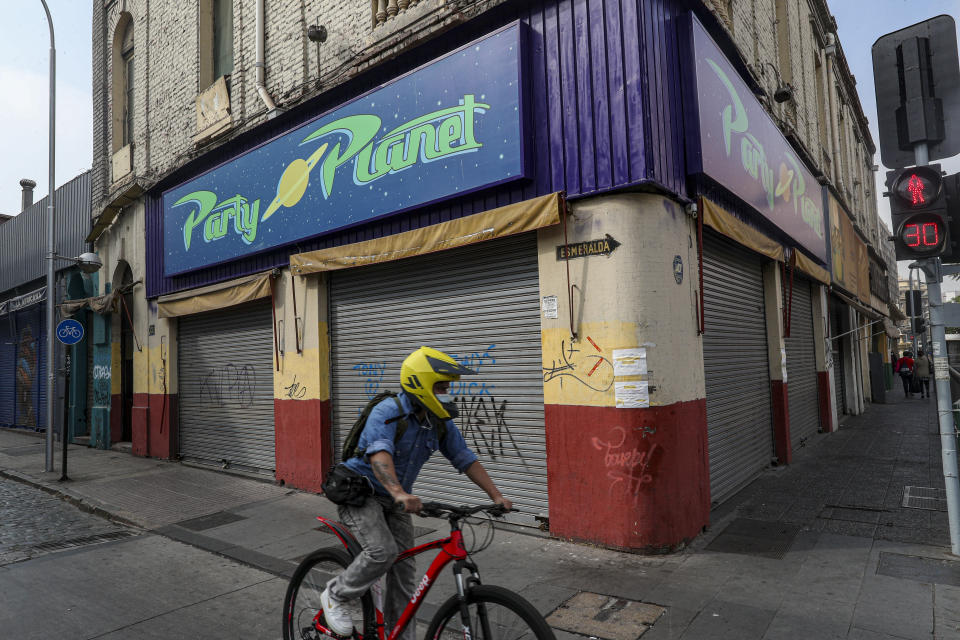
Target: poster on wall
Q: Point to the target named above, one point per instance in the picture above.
(741, 148)
(449, 128)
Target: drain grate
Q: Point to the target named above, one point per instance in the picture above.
(755, 538)
(929, 498)
(84, 541)
(209, 522)
(919, 569)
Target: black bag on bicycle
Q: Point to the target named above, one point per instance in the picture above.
(345, 486)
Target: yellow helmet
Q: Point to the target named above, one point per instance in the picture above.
(425, 367)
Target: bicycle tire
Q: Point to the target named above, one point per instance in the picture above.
(301, 602)
(528, 624)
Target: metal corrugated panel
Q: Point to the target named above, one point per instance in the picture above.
(802, 394)
(479, 304)
(605, 113)
(226, 387)
(23, 239)
(8, 368)
(31, 368)
(739, 426)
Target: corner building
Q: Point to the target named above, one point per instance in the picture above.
(522, 185)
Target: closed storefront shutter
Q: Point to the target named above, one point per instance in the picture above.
(479, 304)
(836, 345)
(8, 367)
(801, 366)
(739, 428)
(31, 368)
(226, 387)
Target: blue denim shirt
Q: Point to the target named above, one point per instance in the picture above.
(414, 449)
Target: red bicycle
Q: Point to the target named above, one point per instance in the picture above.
(476, 612)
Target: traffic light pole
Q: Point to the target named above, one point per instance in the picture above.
(941, 379)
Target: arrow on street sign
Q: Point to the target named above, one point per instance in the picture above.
(602, 247)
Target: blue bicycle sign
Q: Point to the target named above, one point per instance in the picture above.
(69, 331)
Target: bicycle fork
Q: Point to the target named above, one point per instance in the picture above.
(464, 584)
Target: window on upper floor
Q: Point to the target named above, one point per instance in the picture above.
(122, 94)
(216, 40)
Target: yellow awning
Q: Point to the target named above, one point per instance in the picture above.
(811, 268)
(723, 221)
(495, 223)
(215, 296)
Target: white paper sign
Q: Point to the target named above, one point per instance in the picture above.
(941, 368)
(630, 362)
(632, 395)
(549, 306)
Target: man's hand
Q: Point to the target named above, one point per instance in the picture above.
(505, 502)
(411, 503)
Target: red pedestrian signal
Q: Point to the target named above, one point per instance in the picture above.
(918, 208)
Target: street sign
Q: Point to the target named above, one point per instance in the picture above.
(69, 331)
(601, 247)
(917, 82)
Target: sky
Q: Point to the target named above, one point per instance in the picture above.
(24, 74)
(24, 101)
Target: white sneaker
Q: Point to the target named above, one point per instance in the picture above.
(337, 614)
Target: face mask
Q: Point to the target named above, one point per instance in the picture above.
(446, 401)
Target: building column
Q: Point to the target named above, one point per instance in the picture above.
(777, 361)
(624, 394)
(823, 355)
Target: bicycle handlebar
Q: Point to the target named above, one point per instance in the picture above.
(440, 509)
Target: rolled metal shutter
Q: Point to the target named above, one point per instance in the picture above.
(31, 369)
(8, 372)
(226, 387)
(802, 394)
(739, 427)
(836, 345)
(480, 304)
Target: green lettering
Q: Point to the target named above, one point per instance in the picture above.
(734, 115)
(203, 202)
(361, 129)
(249, 219)
(451, 130)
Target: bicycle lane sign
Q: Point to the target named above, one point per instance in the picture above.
(69, 331)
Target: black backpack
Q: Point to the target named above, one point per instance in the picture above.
(350, 445)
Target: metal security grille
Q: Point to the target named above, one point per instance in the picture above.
(802, 394)
(739, 428)
(836, 346)
(31, 368)
(226, 387)
(8, 371)
(480, 304)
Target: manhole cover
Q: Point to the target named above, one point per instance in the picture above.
(755, 538)
(929, 498)
(919, 569)
(209, 522)
(598, 616)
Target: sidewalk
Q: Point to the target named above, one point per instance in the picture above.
(823, 548)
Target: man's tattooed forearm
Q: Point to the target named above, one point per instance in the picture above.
(385, 474)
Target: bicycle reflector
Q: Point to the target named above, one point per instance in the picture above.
(918, 209)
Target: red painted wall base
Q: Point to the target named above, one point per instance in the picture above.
(116, 418)
(302, 442)
(781, 422)
(826, 402)
(153, 425)
(635, 479)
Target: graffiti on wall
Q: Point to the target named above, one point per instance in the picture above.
(26, 377)
(583, 364)
(295, 390)
(628, 469)
(229, 386)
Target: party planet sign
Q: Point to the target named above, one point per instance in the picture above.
(449, 128)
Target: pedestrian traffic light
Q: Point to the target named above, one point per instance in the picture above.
(913, 302)
(918, 210)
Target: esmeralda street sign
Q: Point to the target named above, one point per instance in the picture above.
(602, 247)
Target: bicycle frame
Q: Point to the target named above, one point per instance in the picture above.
(451, 549)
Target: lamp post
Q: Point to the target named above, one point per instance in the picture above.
(51, 205)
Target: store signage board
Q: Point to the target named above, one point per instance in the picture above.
(21, 302)
(741, 148)
(446, 129)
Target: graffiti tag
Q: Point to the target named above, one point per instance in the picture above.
(295, 390)
(483, 425)
(229, 385)
(592, 370)
(627, 469)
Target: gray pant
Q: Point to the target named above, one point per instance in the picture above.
(383, 531)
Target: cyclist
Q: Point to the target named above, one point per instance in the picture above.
(383, 525)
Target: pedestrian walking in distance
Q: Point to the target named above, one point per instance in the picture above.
(905, 367)
(923, 366)
(390, 462)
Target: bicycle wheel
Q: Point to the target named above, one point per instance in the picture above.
(495, 614)
(302, 601)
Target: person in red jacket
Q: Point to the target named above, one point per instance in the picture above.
(905, 367)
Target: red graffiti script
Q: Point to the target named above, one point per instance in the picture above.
(627, 469)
